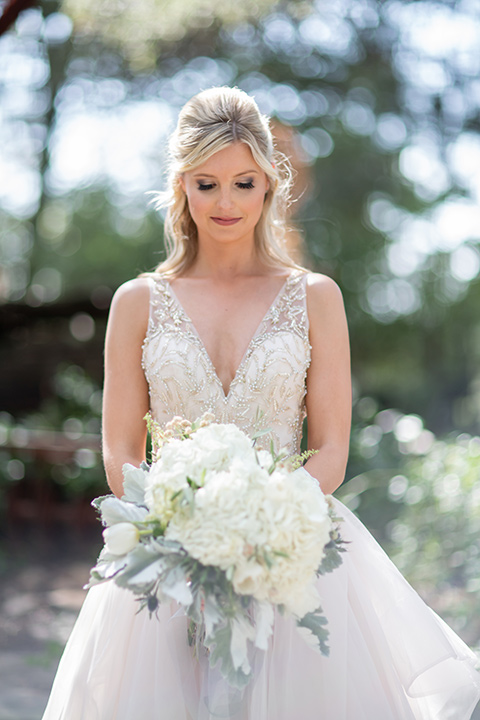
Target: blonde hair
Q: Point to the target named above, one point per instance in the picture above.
(209, 122)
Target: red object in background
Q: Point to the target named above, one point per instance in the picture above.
(11, 11)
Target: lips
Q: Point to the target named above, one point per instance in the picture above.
(225, 221)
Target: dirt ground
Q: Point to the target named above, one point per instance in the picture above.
(41, 583)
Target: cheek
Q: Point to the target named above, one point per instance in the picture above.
(198, 204)
(255, 204)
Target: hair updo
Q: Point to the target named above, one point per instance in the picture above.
(209, 122)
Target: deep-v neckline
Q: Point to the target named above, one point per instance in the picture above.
(189, 321)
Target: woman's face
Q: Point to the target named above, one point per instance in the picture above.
(226, 195)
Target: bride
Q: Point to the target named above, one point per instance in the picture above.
(231, 325)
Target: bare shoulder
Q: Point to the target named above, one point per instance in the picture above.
(132, 298)
(323, 295)
(134, 293)
(130, 304)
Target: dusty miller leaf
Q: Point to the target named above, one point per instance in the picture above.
(316, 622)
(219, 643)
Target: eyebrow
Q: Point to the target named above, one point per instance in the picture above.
(208, 175)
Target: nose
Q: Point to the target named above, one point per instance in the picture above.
(225, 200)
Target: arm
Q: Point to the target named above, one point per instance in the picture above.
(329, 396)
(125, 395)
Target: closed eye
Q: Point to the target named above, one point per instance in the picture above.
(242, 185)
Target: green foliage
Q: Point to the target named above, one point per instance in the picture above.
(436, 532)
(420, 497)
(78, 237)
(31, 455)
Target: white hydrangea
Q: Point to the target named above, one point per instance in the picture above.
(268, 529)
(210, 450)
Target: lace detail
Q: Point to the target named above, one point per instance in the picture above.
(268, 390)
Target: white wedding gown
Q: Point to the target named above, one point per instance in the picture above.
(391, 657)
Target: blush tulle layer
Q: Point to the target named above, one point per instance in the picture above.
(391, 658)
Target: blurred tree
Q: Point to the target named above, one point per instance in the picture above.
(9, 11)
(384, 113)
(138, 28)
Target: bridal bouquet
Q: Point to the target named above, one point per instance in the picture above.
(229, 532)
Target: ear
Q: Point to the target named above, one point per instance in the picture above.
(181, 180)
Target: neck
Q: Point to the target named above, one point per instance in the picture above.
(225, 261)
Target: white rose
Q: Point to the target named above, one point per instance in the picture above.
(121, 538)
(248, 578)
(300, 603)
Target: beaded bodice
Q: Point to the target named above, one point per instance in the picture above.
(268, 390)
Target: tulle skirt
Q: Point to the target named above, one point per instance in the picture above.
(391, 657)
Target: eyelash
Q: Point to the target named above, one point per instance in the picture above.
(243, 186)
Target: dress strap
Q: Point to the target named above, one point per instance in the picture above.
(291, 311)
(158, 301)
